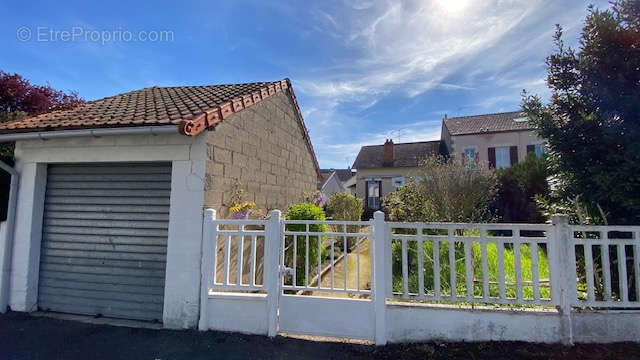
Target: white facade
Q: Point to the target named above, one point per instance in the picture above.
(187, 156)
(479, 144)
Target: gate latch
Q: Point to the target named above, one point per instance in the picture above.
(287, 271)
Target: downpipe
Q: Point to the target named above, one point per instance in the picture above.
(6, 245)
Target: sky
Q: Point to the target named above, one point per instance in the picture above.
(363, 70)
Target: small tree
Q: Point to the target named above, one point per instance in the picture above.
(305, 211)
(445, 190)
(343, 206)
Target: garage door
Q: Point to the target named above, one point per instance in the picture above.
(104, 240)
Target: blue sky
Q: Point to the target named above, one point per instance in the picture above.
(363, 70)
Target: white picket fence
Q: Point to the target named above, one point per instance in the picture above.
(387, 281)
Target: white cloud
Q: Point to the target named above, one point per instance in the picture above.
(412, 46)
(488, 50)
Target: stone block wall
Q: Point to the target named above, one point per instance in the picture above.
(263, 148)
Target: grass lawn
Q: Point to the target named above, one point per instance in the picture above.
(476, 264)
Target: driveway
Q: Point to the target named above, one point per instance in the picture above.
(32, 337)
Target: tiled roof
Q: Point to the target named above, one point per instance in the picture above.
(343, 174)
(193, 108)
(488, 123)
(149, 106)
(406, 154)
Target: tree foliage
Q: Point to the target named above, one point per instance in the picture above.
(19, 97)
(447, 190)
(305, 211)
(592, 122)
(519, 186)
(344, 206)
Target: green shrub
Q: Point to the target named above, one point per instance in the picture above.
(518, 187)
(305, 211)
(343, 206)
(447, 191)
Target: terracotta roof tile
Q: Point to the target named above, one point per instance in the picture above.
(194, 108)
(487, 123)
(149, 106)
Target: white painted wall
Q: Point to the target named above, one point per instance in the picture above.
(482, 142)
(605, 326)
(187, 155)
(417, 322)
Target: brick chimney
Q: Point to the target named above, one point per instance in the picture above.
(389, 153)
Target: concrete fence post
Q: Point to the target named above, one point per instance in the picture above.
(272, 269)
(209, 238)
(564, 274)
(379, 277)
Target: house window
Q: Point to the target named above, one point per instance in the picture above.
(502, 157)
(397, 182)
(373, 194)
(540, 149)
(470, 157)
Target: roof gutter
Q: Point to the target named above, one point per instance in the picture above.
(6, 248)
(47, 135)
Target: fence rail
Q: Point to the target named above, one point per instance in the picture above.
(607, 265)
(534, 265)
(235, 246)
(466, 262)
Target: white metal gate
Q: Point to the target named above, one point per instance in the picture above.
(325, 278)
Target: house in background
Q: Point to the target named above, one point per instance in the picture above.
(111, 194)
(380, 169)
(335, 181)
(500, 139)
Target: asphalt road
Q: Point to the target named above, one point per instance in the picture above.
(33, 337)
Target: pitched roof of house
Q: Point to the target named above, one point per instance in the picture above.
(406, 154)
(487, 123)
(343, 174)
(193, 108)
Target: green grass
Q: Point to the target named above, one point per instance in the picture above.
(477, 273)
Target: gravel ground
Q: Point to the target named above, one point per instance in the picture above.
(32, 337)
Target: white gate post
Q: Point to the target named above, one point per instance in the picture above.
(272, 269)
(209, 237)
(564, 261)
(379, 277)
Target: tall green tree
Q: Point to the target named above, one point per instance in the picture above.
(592, 122)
